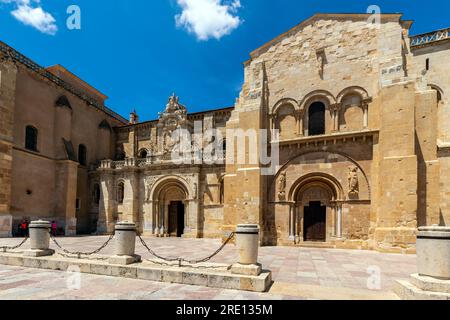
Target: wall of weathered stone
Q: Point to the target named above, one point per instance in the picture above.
(436, 175)
(45, 187)
(7, 105)
(331, 59)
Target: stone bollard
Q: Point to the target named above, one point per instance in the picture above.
(433, 252)
(39, 239)
(432, 282)
(247, 242)
(125, 244)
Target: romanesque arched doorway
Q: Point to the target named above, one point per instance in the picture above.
(171, 201)
(314, 199)
(318, 213)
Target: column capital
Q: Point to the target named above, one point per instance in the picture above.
(335, 106)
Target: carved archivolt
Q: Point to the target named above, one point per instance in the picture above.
(353, 90)
(317, 96)
(283, 102)
(328, 157)
(161, 182)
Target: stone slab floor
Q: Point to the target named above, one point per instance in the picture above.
(298, 273)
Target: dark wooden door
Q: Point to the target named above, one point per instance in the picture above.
(180, 219)
(315, 222)
(173, 218)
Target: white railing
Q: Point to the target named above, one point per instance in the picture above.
(194, 158)
(431, 37)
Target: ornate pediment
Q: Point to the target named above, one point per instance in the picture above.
(174, 117)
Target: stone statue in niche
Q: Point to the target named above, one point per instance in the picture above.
(195, 191)
(353, 182)
(282, 187)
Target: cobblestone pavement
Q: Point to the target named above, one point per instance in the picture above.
(298, 273)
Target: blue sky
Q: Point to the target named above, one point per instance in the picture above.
(139, 52)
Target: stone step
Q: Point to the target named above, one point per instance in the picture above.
(407, 291)
(207, 275)
(320, 245)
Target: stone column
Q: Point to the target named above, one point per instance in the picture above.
(66, 192)
(339, 222)
(148, 218)
(433, 261)
(366, 115)
(247, 241)
(125, 244)
(157, 217)
(131, 195)
(335, 116)
(300, 215)
(433, 252)
(162, 216)
(299, 117)
(187, 225)
(39, 239)
(107, 205)
(291, 223)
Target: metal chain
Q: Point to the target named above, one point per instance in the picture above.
(5, 248)
(78, 253)
(154, 253)
(180, 260)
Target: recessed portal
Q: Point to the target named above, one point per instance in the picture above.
(176, 219)
(315, 222)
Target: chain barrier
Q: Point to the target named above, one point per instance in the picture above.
(68, 253)
(6, 248)
(180, 260)
(79, 254)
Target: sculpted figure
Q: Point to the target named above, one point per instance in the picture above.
(353, 183)
(282, 187)
(195, 190)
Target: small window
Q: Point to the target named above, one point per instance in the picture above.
(82, 155)
(427, 64)
(222, 192)
(316, 119)
(120, 192)
(31, 138)
(78, 204)
(143, 154)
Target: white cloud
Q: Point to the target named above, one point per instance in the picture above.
(30, 12)
(209, 18)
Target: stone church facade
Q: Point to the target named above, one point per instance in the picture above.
(361, 112)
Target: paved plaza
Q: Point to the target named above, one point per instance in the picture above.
(298, 273)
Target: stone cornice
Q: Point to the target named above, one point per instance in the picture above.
(18, 58)
(333, 138)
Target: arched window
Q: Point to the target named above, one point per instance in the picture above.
(120, 192)
(143, 154)
(31, 138)
(96, 194)
(82, 155)
(222, 191)
(316, 119)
